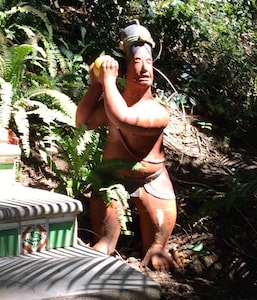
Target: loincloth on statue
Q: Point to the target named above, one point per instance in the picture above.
(157, 185)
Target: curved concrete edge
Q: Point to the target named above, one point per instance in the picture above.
(69, 275)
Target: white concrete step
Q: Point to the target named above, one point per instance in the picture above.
(72, 273)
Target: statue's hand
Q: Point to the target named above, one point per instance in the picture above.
(106, 68)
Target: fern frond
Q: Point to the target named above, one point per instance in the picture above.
(118, 192)
(52, 63)
(47, 114)
(6, 95)
(34, 11)
(53, 56)
(83, 141)
(24, 107)
(60, 58)
(33, 38)
(3, 55)
(67, 105)
(15, 69)
(22, 123)
(28, 31)
(80, 146)
(2, 67)
(106, 172)
(50, 53)
(112, 165)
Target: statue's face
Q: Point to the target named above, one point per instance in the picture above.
(140, 68)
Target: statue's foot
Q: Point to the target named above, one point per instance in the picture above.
(102, 247)
(160, 259)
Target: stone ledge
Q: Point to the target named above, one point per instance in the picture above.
(72, 273)
(19, 202)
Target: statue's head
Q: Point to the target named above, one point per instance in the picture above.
(134, 36)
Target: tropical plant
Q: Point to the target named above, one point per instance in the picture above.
(82, 151)
(26, 78)
(209, 49)
(85, 171)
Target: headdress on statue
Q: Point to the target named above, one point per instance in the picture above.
(134, 36)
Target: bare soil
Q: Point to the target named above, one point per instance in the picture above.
(218, 248)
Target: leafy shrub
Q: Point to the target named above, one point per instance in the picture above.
(27, 71)
(210, 48)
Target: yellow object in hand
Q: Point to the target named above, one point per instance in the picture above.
(97, 65)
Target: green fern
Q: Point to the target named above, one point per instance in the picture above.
(49, 54)
(66, 106)
(15, 69)
(6, 95)
(81, 150)
(105, 173)
(86, 172)
(23, 127)
(48, 115)
(118, 193)
(3, 55)
(24, 8)
(30, 93)
(240, 196)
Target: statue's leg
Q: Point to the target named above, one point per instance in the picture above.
(105, 225)
(157, 220)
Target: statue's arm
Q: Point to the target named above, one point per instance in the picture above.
(90, 110)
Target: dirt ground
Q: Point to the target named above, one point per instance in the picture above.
(216, 266)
